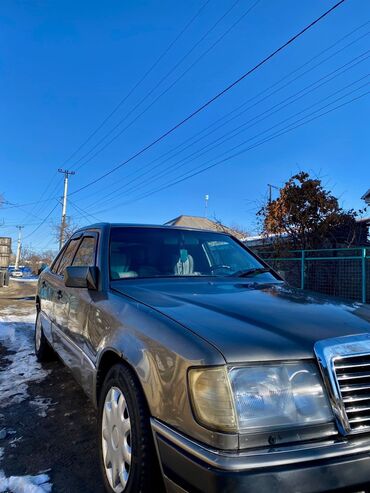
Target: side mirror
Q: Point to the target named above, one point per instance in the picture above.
(81, 277)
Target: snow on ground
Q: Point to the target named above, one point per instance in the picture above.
(20, 368)
(16, 335)
(25, 279)
(14, 441)
(25, 484)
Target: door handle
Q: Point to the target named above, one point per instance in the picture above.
(59, 294)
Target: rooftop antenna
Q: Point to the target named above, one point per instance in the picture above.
(206, 198)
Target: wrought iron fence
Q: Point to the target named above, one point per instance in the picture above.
(343, 272)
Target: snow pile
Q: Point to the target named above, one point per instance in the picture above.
(25, 484)
(25, 279)
(16, 335)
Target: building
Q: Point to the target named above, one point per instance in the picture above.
(366, 197)
(5, 252)
(198, 222)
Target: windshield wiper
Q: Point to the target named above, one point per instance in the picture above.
(251, 272)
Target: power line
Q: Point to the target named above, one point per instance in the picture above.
(168, 88)
(35, 210)
(83, 212)
(139, 82)
(42, 222)
(241, 128)
(298, 123)
(216, 97)
(274, 136)
(176, 150)
(14, 225)
(246, 125)
(121, 102)
(18, 206)
(142, 100)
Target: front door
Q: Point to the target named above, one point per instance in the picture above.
(61, 304)
(79, 302)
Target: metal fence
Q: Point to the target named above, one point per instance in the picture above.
(343, 272)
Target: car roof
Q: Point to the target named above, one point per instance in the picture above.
(107, 225)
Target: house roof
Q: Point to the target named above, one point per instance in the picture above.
(365, 220)
(366, 196)
(198, 222)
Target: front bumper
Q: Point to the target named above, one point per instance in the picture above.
(306, 468)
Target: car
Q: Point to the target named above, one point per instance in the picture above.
(209, 373)
(16, 273)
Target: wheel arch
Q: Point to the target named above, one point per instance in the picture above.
(107, 360)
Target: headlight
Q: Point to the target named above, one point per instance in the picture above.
(259, 398)
(212, 398)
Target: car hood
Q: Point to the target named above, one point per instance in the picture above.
(251, 321)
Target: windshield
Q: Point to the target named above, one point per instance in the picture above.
(155, 252)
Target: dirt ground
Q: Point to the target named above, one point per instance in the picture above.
(47, 424)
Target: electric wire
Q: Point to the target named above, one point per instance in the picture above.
(168, 88)
(196, 171)
(139, 82)
(123, 100)
(42, 222)
(244, 126)
(276, 135)
(222, 119)
(214, 98)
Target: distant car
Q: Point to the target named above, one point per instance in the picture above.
(16, 273)
(209, 373)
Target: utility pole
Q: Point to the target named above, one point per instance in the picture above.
(19, 245)
(206, 198)
(270, 191)
(66, 173)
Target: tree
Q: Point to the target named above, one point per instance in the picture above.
(36, 260)
(305, 215)
(235, 229)
(69, 229)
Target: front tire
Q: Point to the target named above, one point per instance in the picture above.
(43, 349)
(127, 454)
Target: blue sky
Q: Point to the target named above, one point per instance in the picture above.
(64, 66)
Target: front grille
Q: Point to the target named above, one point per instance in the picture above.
(353, 377)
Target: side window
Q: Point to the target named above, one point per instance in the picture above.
(55, 265)
(86, 252)
(67, 257)
(225, 253)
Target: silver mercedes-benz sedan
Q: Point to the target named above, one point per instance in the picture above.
(209, 373)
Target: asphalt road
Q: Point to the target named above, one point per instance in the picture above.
(47, 424)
